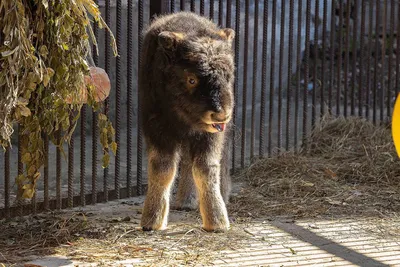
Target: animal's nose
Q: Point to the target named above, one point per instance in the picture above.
(218, 116)
(216, 108)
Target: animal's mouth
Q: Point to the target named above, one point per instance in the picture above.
(219, 126)
(213, 126)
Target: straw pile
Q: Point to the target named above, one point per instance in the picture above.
(26, 237)
(350, 167)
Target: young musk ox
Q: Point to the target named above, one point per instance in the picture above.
(186, 89)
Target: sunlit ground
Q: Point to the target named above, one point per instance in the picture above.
(112, 240)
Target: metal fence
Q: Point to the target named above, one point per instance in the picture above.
(296, 60)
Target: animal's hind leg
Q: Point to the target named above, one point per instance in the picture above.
(186, 196)
(226, 183)
(161, 173)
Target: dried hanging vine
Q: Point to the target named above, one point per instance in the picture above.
(44, 50)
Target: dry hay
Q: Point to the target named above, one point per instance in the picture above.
(104, 238)
(21, 238)
(180, 245)
(350, 168)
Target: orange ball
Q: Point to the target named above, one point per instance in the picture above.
(99, 78)
(102, 86)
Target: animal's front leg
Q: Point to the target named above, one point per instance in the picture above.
(161, 173)
(206, 172)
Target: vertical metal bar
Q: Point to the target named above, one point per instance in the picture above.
(272, 79)
(339, 60)
(229, 13)
(20, 170)
(306, 73)
(20, 164)
(7, 181)
(368, 93)
(158, 7)
(71, 170)
(236, 86)
(389, 88)
(354, 59)
(193, 6)
(323, 63)
(315, 75)
(183, 5)
(289, 78)
(346, 58)
(398, 51)
(280, 74)
(6, 173)
(220, 12)
(107, 101)
(83, 156)
(139, 182)
(211, 9)
(254, 85)
(383, 59)
(360, 82)
(94, 157)
(376, 81)
(202, 7)
(332, 58)
(118, 99)
(46, 173)
(58, 171)
(129, 172)
(298, 74)
(172, 6)
(95, 135)
(263, 79)
(34, 203)
(246, 59)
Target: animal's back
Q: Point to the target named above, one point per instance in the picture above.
(185, 22)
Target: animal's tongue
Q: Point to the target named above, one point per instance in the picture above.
(219, 126)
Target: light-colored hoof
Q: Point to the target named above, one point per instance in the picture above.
(150, 222)
(147, 229)
(218, 229)
(222, 226)
(154, 227)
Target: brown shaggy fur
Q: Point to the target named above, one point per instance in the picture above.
(186, 83)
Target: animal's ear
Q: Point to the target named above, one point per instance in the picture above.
(169, 40)
(227, 34)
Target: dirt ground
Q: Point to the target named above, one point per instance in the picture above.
(109, 235)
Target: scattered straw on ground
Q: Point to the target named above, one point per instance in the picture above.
(110, 234)
(108, 239)
(37, 234)
(349, 168)
(182, 244)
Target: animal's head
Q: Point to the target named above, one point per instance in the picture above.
(199, 77)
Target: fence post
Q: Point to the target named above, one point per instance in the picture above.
(159, 7)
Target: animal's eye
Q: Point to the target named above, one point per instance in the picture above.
(192, 80)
